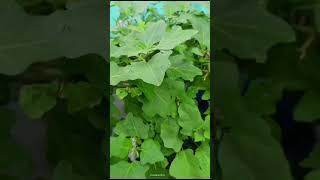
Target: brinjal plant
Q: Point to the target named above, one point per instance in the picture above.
(160, 72)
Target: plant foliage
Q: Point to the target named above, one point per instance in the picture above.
(160, 70)
(264, 49)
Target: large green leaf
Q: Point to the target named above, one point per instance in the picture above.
(202, 24)
(162, 101)
(247, 29)
(150, 72)
(186, 166)
(307, 109)
(150, 152)
(203, 156)
(27, 39)
(82, 95)
(125, 170)
(262, 96)
(120, 146)
(132, 47)
(169, 134)
(181, 68)
(247, 156)
(36, 100)
(132, 126)
(153, 33)
(313, 175)
(190, 118)
(175, 37)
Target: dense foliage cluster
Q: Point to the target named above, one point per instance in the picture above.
(160, 70)
(264, 49)
(53, 67)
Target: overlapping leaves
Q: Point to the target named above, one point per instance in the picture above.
(161, 62)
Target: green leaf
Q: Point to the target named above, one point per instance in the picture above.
(175, 37)
(132, 126)
(125, 170)
(150, 152)
(121, 92)
(27, 39)
(151, 72)
(262, 97)
(196, 51)
(246, 156)
(247, 29)
(169, 134)
(206, 95)
(82, 95)
(186, 166)
(120, 146)
(153, 33)
(162, 102)
(202, 24)
(182, 69)
(203, 156)
(36, 100)
(190, 118)
(157, 172)
(307, 109)
(313, 175)
(132, 47)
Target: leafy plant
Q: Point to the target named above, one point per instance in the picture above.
(263, 50)
(54, 70)
(160, 70)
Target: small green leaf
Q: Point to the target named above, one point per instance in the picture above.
(150, 152)
(121, 92)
